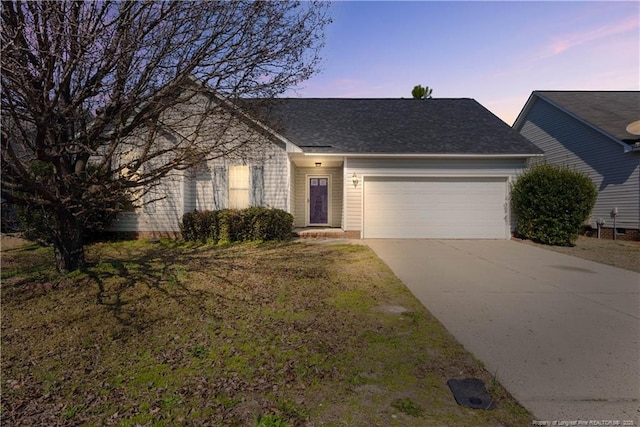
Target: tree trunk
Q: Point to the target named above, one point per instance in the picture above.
(68, 243)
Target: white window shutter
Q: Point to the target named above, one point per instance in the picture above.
(220, 187)
(257, 185)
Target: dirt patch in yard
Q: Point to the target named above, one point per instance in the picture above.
(617, 253)
(9, 241)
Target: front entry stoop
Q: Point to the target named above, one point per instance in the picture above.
(320, 233)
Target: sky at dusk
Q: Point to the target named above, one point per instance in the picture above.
(495, 52)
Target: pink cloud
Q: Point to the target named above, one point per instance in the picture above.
(570, 40)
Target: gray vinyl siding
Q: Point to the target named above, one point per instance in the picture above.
(276, 179)
(163, 214)
(206, 188)
(363, 167)
(567, 141)
(300, 188)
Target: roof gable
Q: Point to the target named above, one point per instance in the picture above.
(607, 111)
(395, 126)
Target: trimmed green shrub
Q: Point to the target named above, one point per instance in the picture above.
(552, 203)
(228, 225)
(188, 226)
(200, 226)
(261, 223)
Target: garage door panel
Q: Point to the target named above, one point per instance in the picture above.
(434, 208)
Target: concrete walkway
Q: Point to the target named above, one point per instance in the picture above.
(562, 333)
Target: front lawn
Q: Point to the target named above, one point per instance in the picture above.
(250, 334)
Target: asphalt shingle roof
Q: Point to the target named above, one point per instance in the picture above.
(611, 111)
(395, 126)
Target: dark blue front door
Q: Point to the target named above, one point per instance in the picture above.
(318, 200)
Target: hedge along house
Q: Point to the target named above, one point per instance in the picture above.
(370, 168)
(587, 131)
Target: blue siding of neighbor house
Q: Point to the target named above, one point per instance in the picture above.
(567, 141)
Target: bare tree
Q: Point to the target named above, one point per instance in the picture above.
(90, 88)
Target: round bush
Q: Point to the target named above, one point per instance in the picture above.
(552, 203)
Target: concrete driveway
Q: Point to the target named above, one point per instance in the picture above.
(561, 333)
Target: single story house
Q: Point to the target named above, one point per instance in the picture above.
(370, 168)
(587, 131)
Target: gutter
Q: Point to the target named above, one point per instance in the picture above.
(425, 156)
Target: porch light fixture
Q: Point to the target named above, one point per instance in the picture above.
(355, 179)
(318, 164)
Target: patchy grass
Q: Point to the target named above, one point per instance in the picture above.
(269, 334)
(617, 253)
(408, 406)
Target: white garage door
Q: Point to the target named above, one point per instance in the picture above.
(440, 208)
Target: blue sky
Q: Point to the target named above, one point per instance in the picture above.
(495, 52)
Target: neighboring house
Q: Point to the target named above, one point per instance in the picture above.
(586, 131)
(374, 168)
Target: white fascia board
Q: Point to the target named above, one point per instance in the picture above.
(424, 156)
(290, 146)
(517, 124)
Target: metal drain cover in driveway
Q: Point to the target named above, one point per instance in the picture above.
(471, 392)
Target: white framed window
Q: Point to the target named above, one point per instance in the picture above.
(238, 187)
